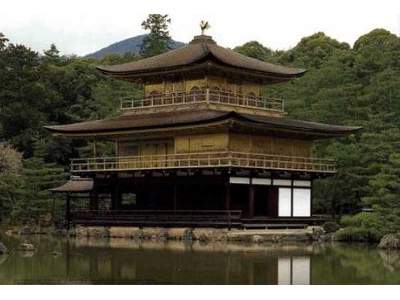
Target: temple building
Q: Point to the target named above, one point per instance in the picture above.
(201, 147)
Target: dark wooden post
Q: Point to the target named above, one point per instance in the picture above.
(251, 200)
(227, 196)
(115, 192)
(175, 196)
(93, 200)
(115, 197)
(67, 210)
(94, 148)
(228, 201)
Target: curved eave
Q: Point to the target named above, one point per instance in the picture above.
(304, 129)
(195, 55)
(209, 66)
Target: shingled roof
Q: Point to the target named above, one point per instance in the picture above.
(202, 52)
(131, 123)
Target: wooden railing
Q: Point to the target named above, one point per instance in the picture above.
(203, 96)
(204, 160)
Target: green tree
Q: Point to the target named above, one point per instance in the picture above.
(158, 39)
(255, 50)
(384, 194)
(11, 182)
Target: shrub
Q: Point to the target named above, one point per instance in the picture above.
(330, 227)
(363, 219)
(354, 234)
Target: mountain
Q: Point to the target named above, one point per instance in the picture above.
(132, 44)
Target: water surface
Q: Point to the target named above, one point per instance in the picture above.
(121, 261)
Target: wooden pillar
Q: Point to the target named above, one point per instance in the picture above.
(116, 147)
(115, 197)
(93, 200)
(175, 196)
(227, 195)
(67, 210)
(251, 201)
(94, 148)
(291, 197)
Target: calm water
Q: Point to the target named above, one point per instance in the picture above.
(119, 261)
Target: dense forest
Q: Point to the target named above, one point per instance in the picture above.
(350, 85)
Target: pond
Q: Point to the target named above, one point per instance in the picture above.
(123, 261)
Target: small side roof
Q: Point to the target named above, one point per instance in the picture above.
(200, 51)
(75, 185)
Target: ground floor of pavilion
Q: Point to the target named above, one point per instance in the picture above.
(217, 199)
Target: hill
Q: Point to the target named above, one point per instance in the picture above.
(132, 45)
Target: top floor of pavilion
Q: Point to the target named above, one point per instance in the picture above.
(202, 75)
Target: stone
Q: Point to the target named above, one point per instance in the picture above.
(150, 233)
(328, 237)
(317, 232)
(163, 235)
(79, 232)
(188, 234)
(390, 241)
(26, 230)
(138, 234)
(11, 232)
(257, 239)
(97, 232)
(176, 233)
(3, 248)
(123, 232)
(26, 246)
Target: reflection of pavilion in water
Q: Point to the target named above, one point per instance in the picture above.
(152, 264)
(294, 270)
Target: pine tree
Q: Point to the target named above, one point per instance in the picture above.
(158, 39)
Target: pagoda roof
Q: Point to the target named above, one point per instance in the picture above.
(201, 53)
(131, 123)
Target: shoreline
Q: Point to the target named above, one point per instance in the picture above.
(309, 234)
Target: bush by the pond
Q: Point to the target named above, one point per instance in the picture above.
(363, 219)
(390, 241)
(330, 227)
(362, 227)
(355, 234)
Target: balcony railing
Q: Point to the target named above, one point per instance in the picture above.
(203, 96)
(204, 160)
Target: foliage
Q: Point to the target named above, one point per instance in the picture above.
(10, 179)
(356, 86)
(38, 90)
(353, 234)
(158, 39)
(362, 227)
(255, 50)
(330, 227)
(10, 159)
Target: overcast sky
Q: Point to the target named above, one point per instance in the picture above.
(83, 26)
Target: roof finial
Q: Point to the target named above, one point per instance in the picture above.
(204, 25)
